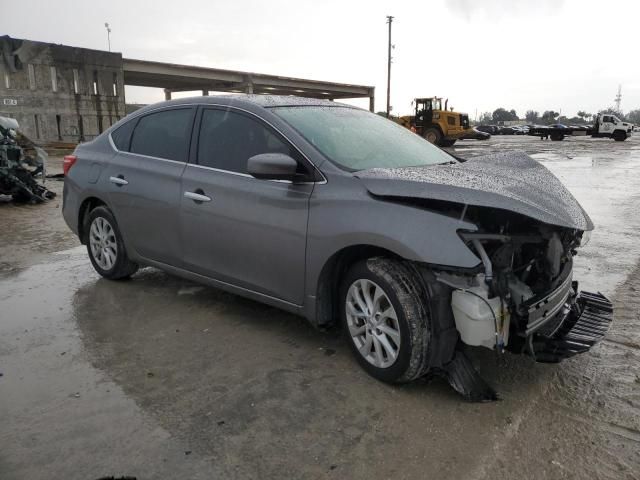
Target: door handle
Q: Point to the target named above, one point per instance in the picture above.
(119, 180)
(198, 196)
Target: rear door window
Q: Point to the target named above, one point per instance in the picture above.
(165, 134)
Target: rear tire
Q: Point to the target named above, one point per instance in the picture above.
(23, 196)
(382, 297)
(105, 245)
(557, 137)
(433, 135)
(619, 136)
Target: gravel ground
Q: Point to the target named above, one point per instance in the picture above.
(161, 378)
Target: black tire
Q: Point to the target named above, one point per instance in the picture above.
(619, 136)
(23, 196)
(403, 287)
(447, 143)
(433, 135)
(557, 137)
(122, 267)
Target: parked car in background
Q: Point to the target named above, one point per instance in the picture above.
(490, 129)
(339, 215)
(474, 134)
(520, 130)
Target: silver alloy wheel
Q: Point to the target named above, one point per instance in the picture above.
(373, 323)
(102, 240)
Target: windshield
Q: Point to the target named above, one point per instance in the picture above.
(356, 139)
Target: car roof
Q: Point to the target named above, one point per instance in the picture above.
(248, 101)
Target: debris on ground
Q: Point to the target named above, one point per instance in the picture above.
(21, 162)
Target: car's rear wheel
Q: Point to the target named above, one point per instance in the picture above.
(385, 319)
(105, 245)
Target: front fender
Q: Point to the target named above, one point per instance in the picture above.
(408, 231)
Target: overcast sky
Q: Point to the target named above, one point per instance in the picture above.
(482, 54)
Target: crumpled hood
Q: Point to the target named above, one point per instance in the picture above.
(510, 181)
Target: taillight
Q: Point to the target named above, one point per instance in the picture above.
(67, 163)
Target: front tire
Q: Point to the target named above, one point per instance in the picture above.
(105, 245)
(433, 135)
(386, 320)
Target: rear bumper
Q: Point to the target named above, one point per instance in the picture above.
(70, 205)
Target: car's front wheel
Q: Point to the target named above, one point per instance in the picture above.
(105, 245)
(385, 319)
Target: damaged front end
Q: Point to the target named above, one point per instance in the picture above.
(523, 297)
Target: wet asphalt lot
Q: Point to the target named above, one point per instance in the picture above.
(157, 377)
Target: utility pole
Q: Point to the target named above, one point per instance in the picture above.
(389, 21)
(106, 25)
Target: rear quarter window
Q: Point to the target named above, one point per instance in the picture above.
(122, 135)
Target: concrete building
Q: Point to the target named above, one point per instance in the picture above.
(60, 93)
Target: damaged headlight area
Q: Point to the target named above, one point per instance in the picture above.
(523, 297)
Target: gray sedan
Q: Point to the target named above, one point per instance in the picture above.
(341, 216)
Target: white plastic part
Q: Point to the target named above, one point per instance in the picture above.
(475, 320)
(9, 123)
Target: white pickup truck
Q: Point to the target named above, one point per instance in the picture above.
(607, 125)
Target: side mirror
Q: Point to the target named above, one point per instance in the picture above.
(272, 166)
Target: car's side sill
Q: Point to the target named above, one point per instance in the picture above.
(228, 287)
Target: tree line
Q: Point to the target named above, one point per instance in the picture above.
(549, 117)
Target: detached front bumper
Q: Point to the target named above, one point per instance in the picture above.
(583, 321)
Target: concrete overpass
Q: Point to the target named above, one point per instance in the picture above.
(179, 78)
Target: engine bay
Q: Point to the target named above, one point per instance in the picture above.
(523, 289)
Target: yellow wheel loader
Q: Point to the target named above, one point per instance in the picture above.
(440, 126)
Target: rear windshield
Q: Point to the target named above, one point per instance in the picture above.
(355, 139)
